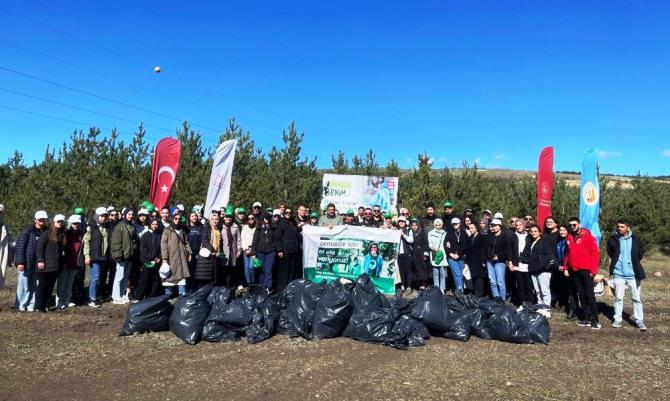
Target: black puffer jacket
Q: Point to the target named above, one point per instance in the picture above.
(287, 238)
(538, 256)
(456, 243)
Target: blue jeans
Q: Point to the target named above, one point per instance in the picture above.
(64, 288)
(249, 271)
(439, 277)
(181, 288)
(456, 267)
(96, 268)
(268, 260)
(123, 268)
(26, 284)
(497, 279)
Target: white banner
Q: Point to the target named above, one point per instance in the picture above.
(349, 251)
(218, 193)
(351, 191)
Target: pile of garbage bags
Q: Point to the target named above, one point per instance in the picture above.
(319, 310)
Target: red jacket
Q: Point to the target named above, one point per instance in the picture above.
(583, 252)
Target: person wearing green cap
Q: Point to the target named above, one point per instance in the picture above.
(240, 216)
(436, 242)
(449, 214)
(314, 219)
(388, 222)
(229, 271)
(350, 218)
(330, 219)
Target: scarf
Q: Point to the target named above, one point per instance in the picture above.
(216, 239)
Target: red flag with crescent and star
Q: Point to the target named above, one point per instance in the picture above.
(166, 165)
(545, 184)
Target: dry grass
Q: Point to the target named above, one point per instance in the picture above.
(77, 355)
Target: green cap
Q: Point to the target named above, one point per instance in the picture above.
(150, 265)
(314, 215)
(151, 208)
(350, 212)
(229, 210)
(268, 209)
(79, 210)
(257, 264)
(413, 220)
(146, 203)
(388, 215)
(240, 210)
(448, 204)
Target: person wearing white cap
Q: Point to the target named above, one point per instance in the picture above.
(498, 252)
(257, 210)
(73, 264)
(436, 243)
(96, 253)
(6, 245)
(142, 223)
(51, 247)
(456, 242)
(26, 262)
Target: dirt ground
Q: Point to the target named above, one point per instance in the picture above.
(77, 355)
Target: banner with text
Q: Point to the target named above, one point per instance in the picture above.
(349, 251)
(351, 191)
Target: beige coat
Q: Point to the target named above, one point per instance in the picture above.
(176, 250)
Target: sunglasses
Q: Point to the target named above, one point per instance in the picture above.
(574, 224)
(367, 214)
(376, 210)
(405, 214)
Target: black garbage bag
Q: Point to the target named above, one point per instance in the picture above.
(442, 317)
(219, 296)
(296, 318)
(480, 320)
(507, 325)
(189, 315)
(333, 311)
(151, 314)
(538, 326)
(264, 320)
(413, 330)
(228, 321)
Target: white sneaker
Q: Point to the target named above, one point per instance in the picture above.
(125, 299)
(120, 301)
(240, 288)
(71, 305)
(30, 309)
(519, 309)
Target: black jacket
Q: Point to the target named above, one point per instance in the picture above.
(287, 238)
(456, 242)
(150, 246)
(636, 254)
(497, 246)
(52, 253)
(26, 247)
(96, 240)
(264, 240)
(514, 247)
(539, 256)
(474, 256)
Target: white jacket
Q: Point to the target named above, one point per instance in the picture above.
(247, 236)
(436, 241)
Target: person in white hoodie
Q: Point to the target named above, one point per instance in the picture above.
(247, 238)
(438, 257)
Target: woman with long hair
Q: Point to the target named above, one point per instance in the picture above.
(51, 248)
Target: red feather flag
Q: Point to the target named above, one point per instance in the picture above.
(166, 166)
(545, 184)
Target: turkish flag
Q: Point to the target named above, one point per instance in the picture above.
(166, 165)
(545, 184)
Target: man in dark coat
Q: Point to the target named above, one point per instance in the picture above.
(287, 243)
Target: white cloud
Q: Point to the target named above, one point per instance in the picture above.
(609, 154)
(498, 156)
(666, 153)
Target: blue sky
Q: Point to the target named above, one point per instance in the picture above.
(491, 82)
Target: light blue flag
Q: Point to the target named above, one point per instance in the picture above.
(589, 198)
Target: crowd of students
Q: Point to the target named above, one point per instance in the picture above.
(133, 254)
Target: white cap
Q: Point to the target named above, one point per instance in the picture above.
(2, 207)
(276, 212)
(402, 218)
(403, 210)
(455, 220)
(257, 203)
(110, 208)
(497, 222)
(41, 214)
(75, 218)
(179, 206)
(487, 211)
(498, 215)
(101, 210)
(143, 211)
(59, 217)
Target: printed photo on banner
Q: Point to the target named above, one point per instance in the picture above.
(351, 191)
(347, 252)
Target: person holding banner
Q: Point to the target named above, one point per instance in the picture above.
(436, 242)
(330, 219)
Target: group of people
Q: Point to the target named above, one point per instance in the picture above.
(134, 254)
